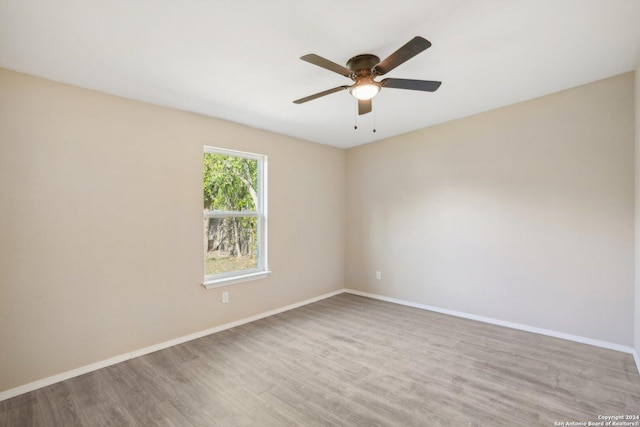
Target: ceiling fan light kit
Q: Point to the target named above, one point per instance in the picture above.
(365, 88)
(363, 69)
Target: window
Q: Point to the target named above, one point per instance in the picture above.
(235, 227)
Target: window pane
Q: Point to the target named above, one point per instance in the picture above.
(230, 183)
(231, 244)
(234, 222)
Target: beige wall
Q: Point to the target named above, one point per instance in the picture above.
(523, 214)
(100, 226)
(637, 216)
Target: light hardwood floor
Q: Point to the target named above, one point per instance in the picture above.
(347, 361)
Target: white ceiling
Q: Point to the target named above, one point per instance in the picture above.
(239, 59)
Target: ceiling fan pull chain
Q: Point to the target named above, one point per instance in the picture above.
(374, 121)
(355, 117)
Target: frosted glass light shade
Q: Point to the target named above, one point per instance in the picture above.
(365, 91)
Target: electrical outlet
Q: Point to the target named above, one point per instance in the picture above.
(378, 275)
(225, 297)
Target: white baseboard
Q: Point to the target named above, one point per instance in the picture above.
(7, 394)
(527, 328)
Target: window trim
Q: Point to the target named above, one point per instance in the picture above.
(261, 270)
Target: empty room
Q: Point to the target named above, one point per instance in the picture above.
(327, 213)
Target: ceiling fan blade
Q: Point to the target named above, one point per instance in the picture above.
(364, 106)
(314, 59)
(319, 94)
(424, 85)
(402, 55)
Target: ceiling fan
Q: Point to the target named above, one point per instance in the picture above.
(363, 69)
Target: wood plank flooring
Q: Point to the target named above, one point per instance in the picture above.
(347, 361)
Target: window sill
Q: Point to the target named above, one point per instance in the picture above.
(235, 279)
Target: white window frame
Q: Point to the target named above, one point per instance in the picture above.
(261, 270)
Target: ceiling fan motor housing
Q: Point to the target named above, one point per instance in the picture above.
(362, 65)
